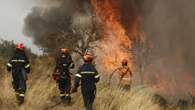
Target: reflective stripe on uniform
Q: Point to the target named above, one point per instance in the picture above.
(18, 61)
(62, 95)
(78, 75)
(64, 64)
(97, 76)
(71, 64)
(87, 72)
(67, 95)
(21, 95)
(27, 66)
(8, 64)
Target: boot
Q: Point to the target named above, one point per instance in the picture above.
(20, 98)
(62, 96)
(68, 99)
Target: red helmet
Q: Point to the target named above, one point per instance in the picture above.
(88, 57)
(20, 46)
(124, 62)
(64, 50)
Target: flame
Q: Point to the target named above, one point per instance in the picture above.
(116, 44)
(111, 17)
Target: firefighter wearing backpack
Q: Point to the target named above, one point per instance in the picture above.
(19, 66)
(88, 77)
(62, 74)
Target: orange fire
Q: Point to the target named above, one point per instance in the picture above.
(116, 44)
(111, 17)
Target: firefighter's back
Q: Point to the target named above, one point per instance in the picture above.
(18, 63)
(88, 73)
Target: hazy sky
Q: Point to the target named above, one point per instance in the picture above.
(12, 14)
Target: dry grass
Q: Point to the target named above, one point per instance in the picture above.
(42, 94)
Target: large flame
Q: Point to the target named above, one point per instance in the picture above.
(116, 44)
(111, 16)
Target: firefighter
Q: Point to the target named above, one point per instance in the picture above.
(62, 74)
(125, 75)
(19, 66)
(88, 76)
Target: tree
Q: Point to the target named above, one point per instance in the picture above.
(8, 47)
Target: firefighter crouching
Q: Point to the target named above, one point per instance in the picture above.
(88, 76)
(62, 74)
(19, 66)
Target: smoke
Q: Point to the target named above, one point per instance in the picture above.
(60, 23)
(169, 27)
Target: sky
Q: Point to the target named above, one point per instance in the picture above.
(12, 14)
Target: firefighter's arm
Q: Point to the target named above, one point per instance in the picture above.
(57, 66)
(97, 76)
(27, 66)
(110, 77)
(77, 80)
(55, 74)
(76, 83)
(9, 66)
(71, 65)
(121, 77)
(56, 69)
(78, 77)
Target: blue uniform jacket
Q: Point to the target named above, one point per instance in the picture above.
(87, 75)
(18, 63)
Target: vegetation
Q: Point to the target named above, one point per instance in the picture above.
(7, 48)
(43, 93)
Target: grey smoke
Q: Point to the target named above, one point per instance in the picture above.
(52, 27)
(170, 28)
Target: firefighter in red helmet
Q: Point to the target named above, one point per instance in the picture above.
(125, 75)
(62, 74)
(20, 46)
(19, 66)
